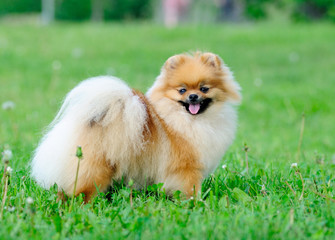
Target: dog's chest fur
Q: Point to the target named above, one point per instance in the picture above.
(211, 132)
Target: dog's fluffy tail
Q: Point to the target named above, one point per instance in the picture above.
(101, 114)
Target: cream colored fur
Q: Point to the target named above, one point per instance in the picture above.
(122, 116)
(212, 132)
(111, 118)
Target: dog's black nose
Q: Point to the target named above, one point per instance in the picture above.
(193, 97)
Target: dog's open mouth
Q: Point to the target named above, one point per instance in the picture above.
(196, 108)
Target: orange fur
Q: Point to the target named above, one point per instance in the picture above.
(95, 171)
(166, 143)
(184, 160)
(193, 72)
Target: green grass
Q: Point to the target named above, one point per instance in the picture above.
(284, 70)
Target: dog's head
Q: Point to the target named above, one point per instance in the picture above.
(195, 83)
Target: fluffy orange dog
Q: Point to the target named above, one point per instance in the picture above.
(176, 134)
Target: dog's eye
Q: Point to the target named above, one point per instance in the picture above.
(182, 91)
(204, 89)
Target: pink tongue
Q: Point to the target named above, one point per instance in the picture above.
(194, 109)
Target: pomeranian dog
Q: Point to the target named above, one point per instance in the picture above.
(176, 134)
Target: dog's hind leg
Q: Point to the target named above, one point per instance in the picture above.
(95, 178)
(95, 175)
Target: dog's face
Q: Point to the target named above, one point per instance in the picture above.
(197, 82)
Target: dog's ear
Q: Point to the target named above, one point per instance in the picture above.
(231, 87)
(174, 61)
(211, 59)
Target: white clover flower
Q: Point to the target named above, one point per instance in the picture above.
(110, 71)
(258, 82)
(293, 57)
(3, 42)
(263, 188)
(191, 198)
(10, 209)
(294, 165)
(7, 155)
(77, 52)
(9, 170)
(8, 105)
(29, 200)
(224, 166)
(56, 65)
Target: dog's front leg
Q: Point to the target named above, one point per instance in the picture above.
(187, 180)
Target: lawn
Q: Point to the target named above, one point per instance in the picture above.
(287, 116)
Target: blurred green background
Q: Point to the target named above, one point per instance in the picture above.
(213, 10)
(282, 54)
